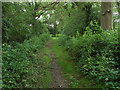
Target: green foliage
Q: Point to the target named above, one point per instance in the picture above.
(19, 22)
(95, 51)
(53, 31)
(15, 22)
(63, 40)
(16, 60)
(97, 56)
(75, 16)
(73, 23)
(94, 27)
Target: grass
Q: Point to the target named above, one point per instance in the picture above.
(40, 76)
(70, 69)
(47, 78)
(40, 68)
(56, 35)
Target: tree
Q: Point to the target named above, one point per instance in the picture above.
(0, 23)
(74, 17)
(118, 22)
(107, 15)
(40, 9)
(15, 22)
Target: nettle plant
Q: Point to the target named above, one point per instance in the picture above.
(94, 28)
(17, 59)
(96, 54)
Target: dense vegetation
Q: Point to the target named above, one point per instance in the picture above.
(27, 27)
(97, 55)
(16, 60)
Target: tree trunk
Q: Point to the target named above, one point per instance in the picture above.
(88, 12)
(34, 18)
(0, 23)
(107, 15)
(119, 31)
(119, 22)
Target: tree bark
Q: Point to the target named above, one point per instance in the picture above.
(119, 30)
(107, 15)
(119, 22)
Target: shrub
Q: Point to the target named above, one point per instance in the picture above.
(16, 60)
(63, 40)
(97, 55)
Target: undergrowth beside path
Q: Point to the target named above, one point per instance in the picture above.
(40, 70)
(70, 69)
(49, 66)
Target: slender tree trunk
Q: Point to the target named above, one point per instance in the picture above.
(0, 43)
(88, 12)
(107, 15)
(34, 26)
(0, 23)
(119, 22)
(119, 31)
(34, 17)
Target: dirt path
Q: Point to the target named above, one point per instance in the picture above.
(56, 71)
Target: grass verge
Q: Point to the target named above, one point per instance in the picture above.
(47, 78)
(40, 76)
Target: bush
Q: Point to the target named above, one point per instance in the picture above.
(16, 60)
(97, 55)
(63, 40)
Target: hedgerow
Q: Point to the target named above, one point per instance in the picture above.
(97, 55)
(16, 60)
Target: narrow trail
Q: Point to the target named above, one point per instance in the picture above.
(57, 75)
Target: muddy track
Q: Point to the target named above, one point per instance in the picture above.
(57, 75)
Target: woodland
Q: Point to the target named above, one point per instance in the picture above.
(60, 45)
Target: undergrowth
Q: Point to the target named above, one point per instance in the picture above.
(17, 57)
(71, 71)
(97, 55)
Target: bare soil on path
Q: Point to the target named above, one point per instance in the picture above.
(57, 75)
